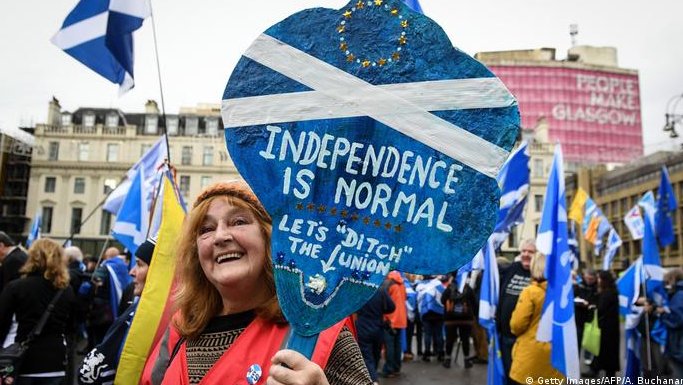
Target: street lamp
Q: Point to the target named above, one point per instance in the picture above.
(672, 118)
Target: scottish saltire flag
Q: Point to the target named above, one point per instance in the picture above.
(118, 280)
(132, 220)
(557, 320)
(613, 244)
(414, 5)
(666, 206)
(592, 221)
(462, 274)
(652, 265)
(99, 34)
(513, 180)
(488, 301)
(34, 233)
(634, 222)
(628, 286)
(151, 163)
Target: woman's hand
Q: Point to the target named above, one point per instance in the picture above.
(292, 368)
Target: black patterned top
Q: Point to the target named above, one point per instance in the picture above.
(344, 367)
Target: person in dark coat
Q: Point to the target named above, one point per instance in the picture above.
(608, 321)
(458, 316)
(673, 320)
(585, 295)
(12, 258)
(370, 327)
(43, 275)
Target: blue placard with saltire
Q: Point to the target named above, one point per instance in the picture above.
(557, 320)
(99, 34)
(373, 143)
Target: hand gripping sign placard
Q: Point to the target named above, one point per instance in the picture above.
(373, 144)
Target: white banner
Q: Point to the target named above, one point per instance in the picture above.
(634, 222)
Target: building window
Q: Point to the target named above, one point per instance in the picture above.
(207, 158)
(66, 119)
(89, 120)
(53, 152)
(76, 214)
(538, 168)
(212, 126)
(191, 125)
(50, 184)
(538, 203)
(112, 120)
(186, 158)
(105, 223)
(205, 181)
(46, 224)
(172, 126)
(109, 185)
(151, 122)
(79, 185)
(112, 152)
(83, 151)
(512, 238)
(184, 185)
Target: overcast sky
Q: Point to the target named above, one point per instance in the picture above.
(201, 41)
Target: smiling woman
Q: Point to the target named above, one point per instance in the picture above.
(229, 326)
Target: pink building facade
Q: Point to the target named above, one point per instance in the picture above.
(594, 113)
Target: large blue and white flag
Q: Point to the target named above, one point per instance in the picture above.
(557, 318)
(414, 5)
(628, 286)
(34, 233)
(666, 206)
(132, 220)
(513, 180)
(652, 265)
(151, 163)
(613, 244)
(488, 302)
(99, 34)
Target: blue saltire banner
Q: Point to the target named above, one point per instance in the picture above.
(374, 146)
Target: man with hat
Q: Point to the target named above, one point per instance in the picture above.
(99, 366)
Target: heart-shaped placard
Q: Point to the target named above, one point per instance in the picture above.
(374, 145)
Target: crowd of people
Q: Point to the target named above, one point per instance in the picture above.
(228, 316)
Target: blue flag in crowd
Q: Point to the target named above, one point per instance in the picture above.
(118, 280)
(34, 233)
(628, 286)
(99, 34)
(613, 244)
(132, 220)
(557, 320)
(151, 163)
(488, 301)
(647, 202)
(666, 206)
(414, 5)
(462, 274)
(513, 180)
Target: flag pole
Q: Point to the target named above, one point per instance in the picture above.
(161, 88)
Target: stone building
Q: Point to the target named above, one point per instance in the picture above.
(617, 191)
(86, 153)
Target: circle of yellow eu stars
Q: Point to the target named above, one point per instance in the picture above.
(367, 62)
(344, 213)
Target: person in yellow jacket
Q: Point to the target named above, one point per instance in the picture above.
(531, 358)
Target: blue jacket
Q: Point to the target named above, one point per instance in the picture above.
(674, 324)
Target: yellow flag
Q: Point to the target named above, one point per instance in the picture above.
(150, 311)
(576, 209)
